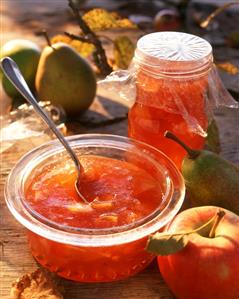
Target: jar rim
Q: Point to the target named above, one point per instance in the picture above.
(14, 197)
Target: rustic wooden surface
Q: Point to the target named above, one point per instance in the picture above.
(16, 259)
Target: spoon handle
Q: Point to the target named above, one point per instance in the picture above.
(14, 75)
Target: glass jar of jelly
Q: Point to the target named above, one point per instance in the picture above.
(172, 79)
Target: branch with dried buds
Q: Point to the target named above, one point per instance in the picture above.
(90, 37)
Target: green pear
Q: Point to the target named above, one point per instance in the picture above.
(26, 54)
(209, 178)
(65, 78)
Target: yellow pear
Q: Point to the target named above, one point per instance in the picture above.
(65, 78)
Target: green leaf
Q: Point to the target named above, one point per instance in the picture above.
(233, 39)
(212, 140)
(165, 244)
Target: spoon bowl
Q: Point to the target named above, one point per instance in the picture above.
(15, 76)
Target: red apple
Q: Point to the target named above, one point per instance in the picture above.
(206, 268)
(167, 20)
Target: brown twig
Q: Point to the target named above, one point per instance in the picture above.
(105, 37)
(78, 37)
(86, 40)
(102, 63)
(216, 12)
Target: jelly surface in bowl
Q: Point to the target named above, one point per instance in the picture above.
(133, 190)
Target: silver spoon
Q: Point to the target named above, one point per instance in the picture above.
(14, 75)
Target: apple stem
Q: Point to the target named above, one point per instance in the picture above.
(219, 216)
(193, 154)
(166, 243)
(213, 219)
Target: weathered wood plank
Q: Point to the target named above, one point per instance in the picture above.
(16, 259)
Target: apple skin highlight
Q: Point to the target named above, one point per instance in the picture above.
(207, 268)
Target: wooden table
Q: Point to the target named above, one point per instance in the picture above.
(16, 259)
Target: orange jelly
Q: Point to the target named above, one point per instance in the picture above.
(132, 191)
(171, 91)
(119, 193)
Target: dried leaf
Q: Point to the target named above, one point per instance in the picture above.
(123, 51)
(85, 49)
(60, 38)
(126, 23)
(36, 285)
(165, 244)
(228, 67)
(115, 15)
(100, 19)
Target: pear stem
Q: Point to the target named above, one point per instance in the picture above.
(192, 153)
(219, 216)
(45, 34)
